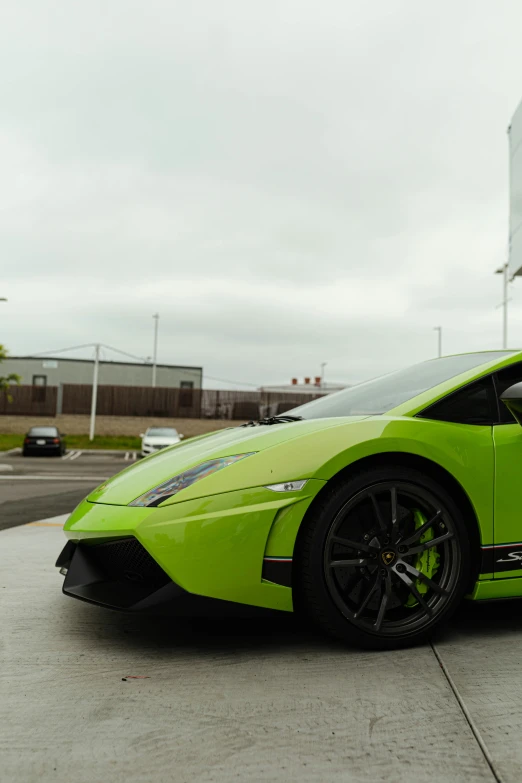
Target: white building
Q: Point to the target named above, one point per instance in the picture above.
(54, 371)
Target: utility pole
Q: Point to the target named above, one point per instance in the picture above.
(155, 355)
(439, 330)
(504, 270)
(94, 390)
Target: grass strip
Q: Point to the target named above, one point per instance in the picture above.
(79, 442)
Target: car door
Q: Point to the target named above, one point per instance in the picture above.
(505, 558)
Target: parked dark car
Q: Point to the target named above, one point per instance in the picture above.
(44, 440)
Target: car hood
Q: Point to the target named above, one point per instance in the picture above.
(167, 463)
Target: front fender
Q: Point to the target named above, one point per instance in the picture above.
(464, 451)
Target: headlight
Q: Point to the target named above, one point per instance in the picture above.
(174, 485)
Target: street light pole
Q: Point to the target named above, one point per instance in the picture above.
(504, 270)
(323, 365)
(94, 390)
(155, 355)
(439, 330)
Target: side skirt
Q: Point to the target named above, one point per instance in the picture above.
(492, 589)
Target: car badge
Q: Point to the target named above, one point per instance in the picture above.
(388, 557)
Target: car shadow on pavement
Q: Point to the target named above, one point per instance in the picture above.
(268, 632)
(500, 618)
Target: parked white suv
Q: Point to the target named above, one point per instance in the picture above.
(157, 438)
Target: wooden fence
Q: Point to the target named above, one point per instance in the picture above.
(30, 401)
(146, 401)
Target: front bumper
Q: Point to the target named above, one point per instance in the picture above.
(214, 546)
(147, 449)
(121, 575)
(48, 447)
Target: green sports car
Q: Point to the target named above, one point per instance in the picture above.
(373, 511)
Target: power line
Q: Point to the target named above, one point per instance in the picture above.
(235, 383)
(60, 350)
(132, 356)
(125, 353)
(86, 345)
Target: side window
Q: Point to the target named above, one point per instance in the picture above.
(503, 380)
(474, 404)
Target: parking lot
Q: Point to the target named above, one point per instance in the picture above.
(37, 487)
(91, 695)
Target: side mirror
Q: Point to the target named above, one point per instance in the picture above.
(512, 399)
(142, 434)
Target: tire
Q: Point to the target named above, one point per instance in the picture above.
(352, 580)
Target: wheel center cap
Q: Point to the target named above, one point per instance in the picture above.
(388, 556)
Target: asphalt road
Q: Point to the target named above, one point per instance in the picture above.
(38, 487)
(88, 695)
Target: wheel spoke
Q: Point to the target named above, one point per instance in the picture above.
(355, 562)
(421, 530)
(377, 512)
(367, 597)
(413, 590)
(419, 575)
(429, 544)
(357, 545)
(353, 582)
(384, 604)
(394, 514)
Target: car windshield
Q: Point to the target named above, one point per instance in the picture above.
(382, 394)
(43, 432)
(163, 432)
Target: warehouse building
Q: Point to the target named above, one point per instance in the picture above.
(48, 371)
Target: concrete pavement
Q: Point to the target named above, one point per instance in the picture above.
(254, 700)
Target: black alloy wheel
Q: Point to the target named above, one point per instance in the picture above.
(383, 559)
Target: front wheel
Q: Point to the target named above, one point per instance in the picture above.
(382, 560)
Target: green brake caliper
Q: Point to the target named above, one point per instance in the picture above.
(427, 562)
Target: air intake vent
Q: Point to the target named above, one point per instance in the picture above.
(126, 560)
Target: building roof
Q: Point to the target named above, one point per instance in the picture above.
(102, 361)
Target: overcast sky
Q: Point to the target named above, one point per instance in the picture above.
(286, 182)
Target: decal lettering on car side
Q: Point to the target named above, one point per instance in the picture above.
(501, 557)
(512, 556)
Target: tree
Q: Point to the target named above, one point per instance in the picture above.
(8, 380)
